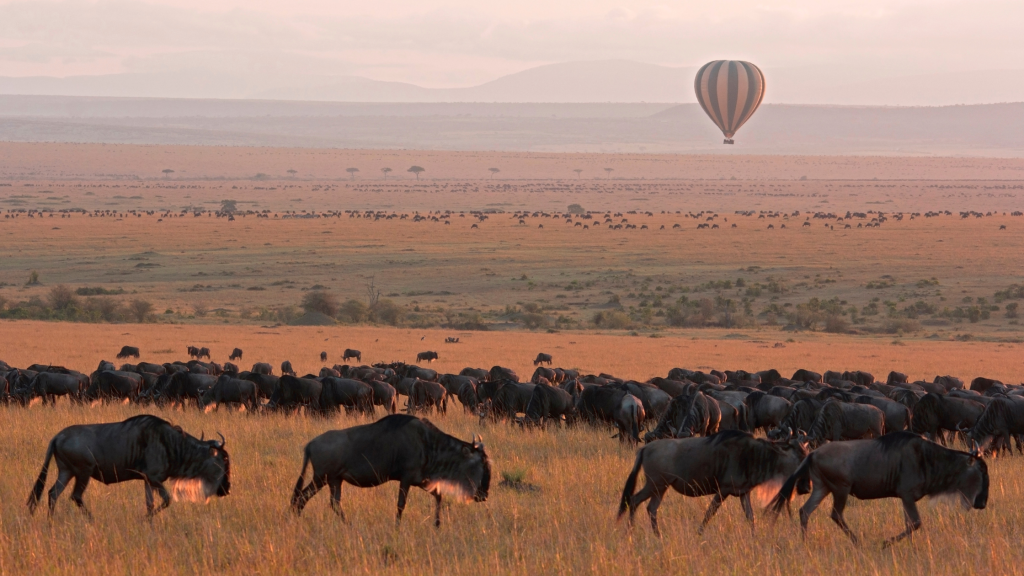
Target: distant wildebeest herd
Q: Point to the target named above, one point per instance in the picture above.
(839, 433)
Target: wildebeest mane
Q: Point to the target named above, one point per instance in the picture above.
(444, 459)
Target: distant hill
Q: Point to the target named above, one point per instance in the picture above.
(981, 130)
(619, 81)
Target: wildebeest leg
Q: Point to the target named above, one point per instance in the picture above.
(62, 482)
(165, 496)
(748, 509)
(838, 505)
(403, 495)
(716, 503)
(652, 507)
(817, 495)
(309, 491)
(437, 510)
(336, 498)
(81, 483)
(912, 518)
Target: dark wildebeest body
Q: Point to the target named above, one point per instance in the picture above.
(897, 416)
(343, 392)
(687, 416)
(934, 414)
(350, 353)
(502, 373)
(128, 352)
(480, 374)
(236, 354)
(398, 447)
(114, 384)
(548, 402)
(265, 383)
(428, 356)
(204, 352)
(293, 392)
(731, 463)
(452, 383)
(143, 448)
(286, 368)
(426, 395)
(655, 400)
(384, 394)
(180, 387)
(546, 374)
(323, 356)
(981, 384)
(262, 368)
(898, 465)
(232, 391)
(542, 358)
(765, 412)
(510, 399)
(1001, 419)
(803, 375)
(49, 385)
(843, 421)
(672, 387)
(468, 398)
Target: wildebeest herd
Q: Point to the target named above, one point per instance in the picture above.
(841, 432)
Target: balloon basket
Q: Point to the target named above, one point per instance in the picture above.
(727, 141)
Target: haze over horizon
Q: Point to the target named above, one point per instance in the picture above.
(896, 52)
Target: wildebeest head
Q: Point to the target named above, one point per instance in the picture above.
(971, 484)
(209, 474)
(465, 474)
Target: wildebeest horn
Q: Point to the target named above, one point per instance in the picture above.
(789, 433)
(202, 435)
(222, 440)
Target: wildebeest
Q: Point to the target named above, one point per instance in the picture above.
(935, 413)
(542, 358)
(1001, 419)
(898, 465)
(286, 368)
(343, 392)
(384, 394)
(397, 447)
(263, 368)
(236, 354)
(549, 402)
(502, 373)
(765, 412)
(231, 390)
(323, 356)
(128, 352)
(897, 416)
(143, 448)
(350, 353)
(694, 415)
(203, 352)
(730, 463)
(426, 395)
(180, 387)
(427, 356)
(843, 421)
(509, 399)
(109, 384)
(265, 383)
(804, 375)
(193, 351)
(49, 385)
(293, 392)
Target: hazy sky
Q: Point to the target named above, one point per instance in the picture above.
(446, 43)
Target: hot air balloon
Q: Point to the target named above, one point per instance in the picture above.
(729, 91)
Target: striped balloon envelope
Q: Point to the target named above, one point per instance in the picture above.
(729, 91)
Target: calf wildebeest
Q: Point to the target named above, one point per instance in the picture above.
(397, 447)
(428, 356)
(143, 448)
(323, 356)
(843, 421)
(350, 353)
(236, 354)
(262, 368)
(128, 352)
(231, 390)
(542, 358)
(898, 465)
(730, 463)
(286, 368)
(934, 414)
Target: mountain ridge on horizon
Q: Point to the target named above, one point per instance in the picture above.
(594, 81)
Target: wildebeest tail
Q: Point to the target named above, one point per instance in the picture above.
(630, 487)
(781, 500)
(37, 489)
(297, 492)
(635, 431)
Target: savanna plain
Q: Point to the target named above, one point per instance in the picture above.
(923, 292)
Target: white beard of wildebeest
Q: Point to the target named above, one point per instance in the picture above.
(461, 477)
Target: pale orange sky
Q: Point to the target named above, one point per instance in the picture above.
(449, 43)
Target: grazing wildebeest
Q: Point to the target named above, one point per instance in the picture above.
(542, 358)
(204, 352)
(694, 415)
(350, 353)
(804, 375)
(981, 384)
(49, 385)
(397, 447)
(1001, 419)
(384, 394)
(507, 399)
(193, 351)
(128, 352)
(897, 416)
(231, 390)
(843, 421)
(502, 373)
(150, 367)
(549, 402)
(286, 368)
(143, 448)
(934, 414)
(765, 412)
(343, 392)
(731, 463)
(236, 354)
(323, 356)
(898, 465)
(427, 356)
(293, 392)
(467, 397)
(180, 387)
(426, 395)
(262, 368)
(480, 374)
(114, 384)
(265, 383)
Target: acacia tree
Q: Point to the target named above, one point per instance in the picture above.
(385, 171)
(167, 172)
(493, 171)
(416, 170)
(292, 172)
(578, 171)
(609, 171)
(352, 172)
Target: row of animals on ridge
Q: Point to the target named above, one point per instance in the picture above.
(701, 445)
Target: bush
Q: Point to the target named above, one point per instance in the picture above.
(200, 309)
(576, 209)
(901, 326)
(352, 311)
(612, 320)
(1011, 310)
(534, 320)
(140, 309)
(62, 298)
(386, 311)
(320, 301)
(837, 325)
(106, 309)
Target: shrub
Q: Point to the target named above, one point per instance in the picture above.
(140, 309)
(386, 311)
(534, 320)
(33, 278)
(837, 325)
(612, 320)
(352, 311)
(320, 301)
(200, 309)
(901, 326)
(1011, 310)
(62, 298)
(576, 209)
